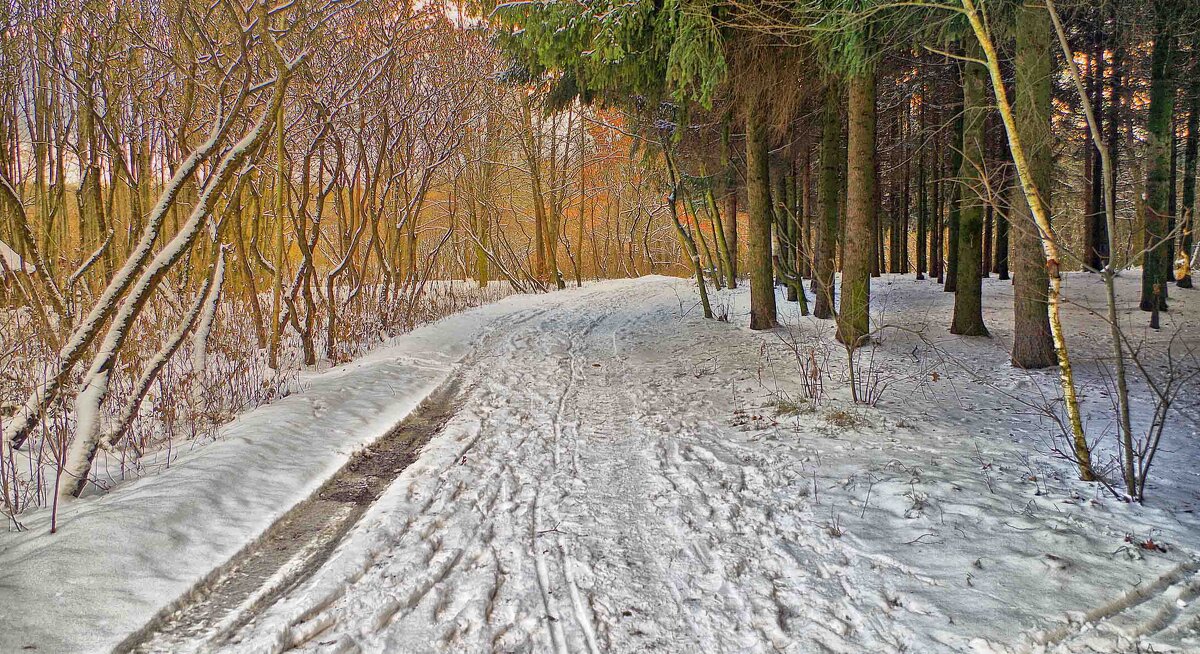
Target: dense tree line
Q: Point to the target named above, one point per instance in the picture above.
(199, 199)
(899, 98)
(950, 140)
(286, 184)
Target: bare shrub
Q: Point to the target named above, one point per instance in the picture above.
(811, 356)
(236, 378)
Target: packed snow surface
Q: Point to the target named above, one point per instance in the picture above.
(625, 476)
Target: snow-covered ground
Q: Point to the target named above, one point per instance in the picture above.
(625, 476)
(121, 556)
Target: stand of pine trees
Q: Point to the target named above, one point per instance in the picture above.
(890, 110)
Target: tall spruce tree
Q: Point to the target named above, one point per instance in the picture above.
(854, 323)
(1033, 345)
(1160, 126)
(968, 296)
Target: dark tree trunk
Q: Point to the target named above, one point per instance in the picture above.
(937, 231)
(894, 235)
(899, 201)
(1002, 217)
(758, 193)
(1089, 153)
(877, 265)
(1156, 266)
(956, 193)
(827, 197)
(905, 206)
(1172, 191)
(1114, 117)
(989, 213)
(843, 186)
(854, 317)
(804, 254)
(1033, 346)
(731, 205)
(922, 225)
(1191, 150)
(922, 199)
(1095, 241)
(968, 296)
(785, 226)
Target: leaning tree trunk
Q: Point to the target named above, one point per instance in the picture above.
(1033, 345)
(854, 316)
(968, 295)
(827, 190)
(758, 180)
(1156, 266)
(1082, 452)
(1125, 431)
(97, 380)
(686, 242)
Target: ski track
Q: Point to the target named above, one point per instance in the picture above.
(594, 495)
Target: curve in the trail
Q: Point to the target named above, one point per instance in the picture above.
(601, 488)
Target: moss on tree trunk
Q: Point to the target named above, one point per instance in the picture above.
(968, 296)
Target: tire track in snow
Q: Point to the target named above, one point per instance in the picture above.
(483, 451)
(298, 543)
(1166, 606)
(316, 619)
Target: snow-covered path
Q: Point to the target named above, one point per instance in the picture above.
(625, 477)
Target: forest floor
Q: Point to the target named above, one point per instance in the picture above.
(621, 475)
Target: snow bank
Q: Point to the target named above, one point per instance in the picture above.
(121, 556)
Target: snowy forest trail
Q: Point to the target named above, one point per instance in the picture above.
(623, 476)
(584, 503)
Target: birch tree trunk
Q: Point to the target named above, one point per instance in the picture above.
(1041, 216)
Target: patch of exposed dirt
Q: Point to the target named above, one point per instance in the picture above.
(298, 543)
